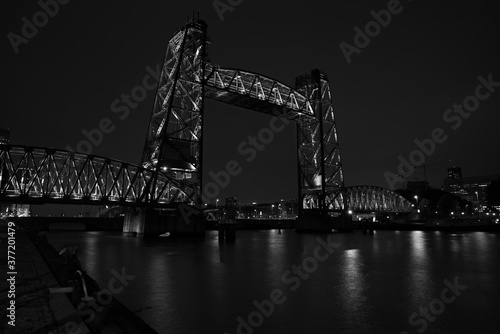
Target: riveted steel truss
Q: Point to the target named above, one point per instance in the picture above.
(35, 174)
(256, 92)
(375, 199)
(174, 137)
(321, 177)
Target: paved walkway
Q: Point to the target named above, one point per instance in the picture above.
(37, 310)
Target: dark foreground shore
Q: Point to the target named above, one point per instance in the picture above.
(49, 294)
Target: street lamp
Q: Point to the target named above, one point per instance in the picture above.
(478, 216)
(272, 211)
(217, 203)
(416, 203)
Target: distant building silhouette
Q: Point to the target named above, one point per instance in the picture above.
(231, 207)
(16, 210)
(454, 173)
(4, 136)
(472, 189)
(284, 209)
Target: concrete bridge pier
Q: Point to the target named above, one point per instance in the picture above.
(227, 230)
(185, 222)
(151, 223)
(316, 221)
(142, 222)
(367, 227)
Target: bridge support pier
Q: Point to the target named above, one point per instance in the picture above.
(142, 222)
(367, 227)
(151, 223)
(227, 230)
(317, 222)
(185, 223)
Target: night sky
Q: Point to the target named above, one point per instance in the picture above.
(395, 90)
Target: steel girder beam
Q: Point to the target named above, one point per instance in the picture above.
(35, 174)
(256, 92)
(321, 178)
(174, 138)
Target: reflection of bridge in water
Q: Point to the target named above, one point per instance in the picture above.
(170, 172)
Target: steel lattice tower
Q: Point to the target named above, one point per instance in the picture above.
(321, 179)
(174, 138)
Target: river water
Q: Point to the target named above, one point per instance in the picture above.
(389, 282)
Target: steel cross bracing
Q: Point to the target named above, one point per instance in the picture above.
(321, 179)
(35, 174)
(256, 92)
(173, 141)
(375, 199)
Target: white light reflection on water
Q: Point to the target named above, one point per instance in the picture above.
(353, 288)
(420, 284)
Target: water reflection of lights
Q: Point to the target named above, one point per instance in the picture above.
(89, 252)
(418, 274)
(418, 245)
(352, 264)
(353, 282)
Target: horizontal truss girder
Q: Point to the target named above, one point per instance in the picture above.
(36, 174)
